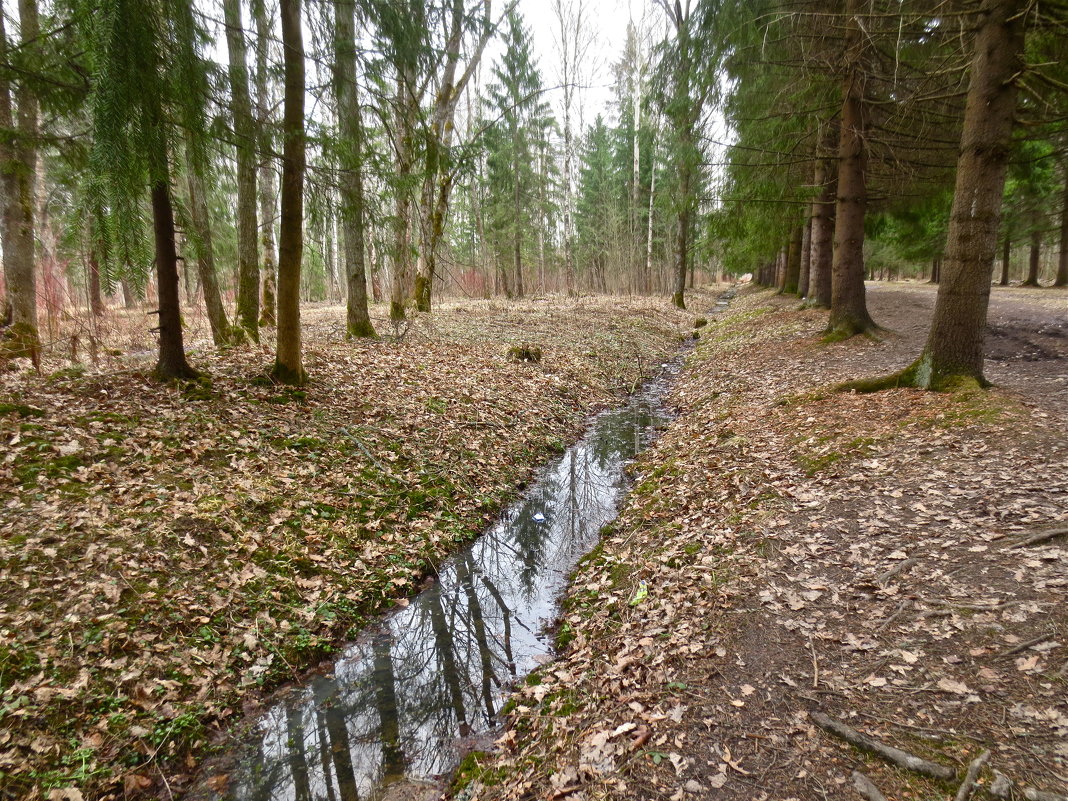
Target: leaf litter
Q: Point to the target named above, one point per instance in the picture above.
(803, 551)
(171, 553)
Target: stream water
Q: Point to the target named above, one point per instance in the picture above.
(401, 702)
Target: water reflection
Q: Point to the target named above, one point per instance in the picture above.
(398, 701)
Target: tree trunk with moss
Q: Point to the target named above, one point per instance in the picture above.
(221, 333)
(266, 179)
(248, 268)
(849, 311)
(953, 355)
(357, 319)
(288, 368)
(18, 161)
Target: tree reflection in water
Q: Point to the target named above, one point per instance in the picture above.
(438, 670)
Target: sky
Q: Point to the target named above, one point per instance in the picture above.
(608, 26)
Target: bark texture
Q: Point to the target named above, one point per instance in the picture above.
(953, 355)
(793, 262)
(849, 311)
(18, 162)
(248, 269)
(806, 260)
(1062, 258)
(266, 180)
(288, 368)
(822, 239)
(357, 319)
(221, 333)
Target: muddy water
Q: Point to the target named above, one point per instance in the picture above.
(400, 705)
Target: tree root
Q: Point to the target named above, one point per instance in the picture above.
(887, 752)
(863, 785)
(969, 779)
(1040, 537)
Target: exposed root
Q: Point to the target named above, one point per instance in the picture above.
(888, 752)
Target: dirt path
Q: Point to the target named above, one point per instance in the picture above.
(788, 550)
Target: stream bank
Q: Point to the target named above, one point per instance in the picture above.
(172, 554)
(805, 551)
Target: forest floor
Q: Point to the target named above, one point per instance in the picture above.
(789, 551)
(170, 553)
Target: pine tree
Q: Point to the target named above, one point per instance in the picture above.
(515, 100)
(137, 107)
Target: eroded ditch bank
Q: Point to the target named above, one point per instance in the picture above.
(425, 684)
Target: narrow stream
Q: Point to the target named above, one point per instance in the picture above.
(401, 703)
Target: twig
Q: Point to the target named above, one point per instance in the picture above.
(1016, 649)
(900, 567)
(815, 665)
(897, 613)
(969, 778)
(863, 785)
(887, 752)
(1040, 537)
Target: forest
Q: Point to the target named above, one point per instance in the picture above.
(737, 329)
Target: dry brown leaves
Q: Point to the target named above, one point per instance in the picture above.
(169, 553)
(787, 549)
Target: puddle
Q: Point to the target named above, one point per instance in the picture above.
(401, 704)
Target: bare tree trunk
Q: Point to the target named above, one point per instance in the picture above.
(822, 237)
(954, 349)
(92, 269)
(248, 268)
(221, 333)
(18, 162)
(806, 259)
(793, 261)
(357, 318)
(288, 368)
(1062, 262)
(172, 363)
(1035, 255)
(849, 311)
(266, 180)
(1006, 253)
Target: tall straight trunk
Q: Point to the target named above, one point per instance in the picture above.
(92, 269)
(517, 235)
(954, 347)
(849, 311)
(18, 162)
(172, 363)
(806, 259)
(647, 278)
(1062, 259)
(1006, 253)
(288, 368)
(569, 64)
(1034, 257)
(404, 125)
(793, 261)
(221, 333)
(248, 267)
(822, 238)
(266, 182)
(357, 318)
